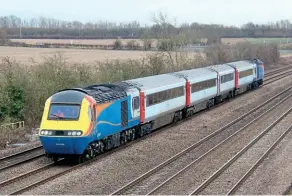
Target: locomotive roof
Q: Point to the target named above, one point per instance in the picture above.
(156, 81)
(103, 92)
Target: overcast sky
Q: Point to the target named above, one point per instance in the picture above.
(228, 12)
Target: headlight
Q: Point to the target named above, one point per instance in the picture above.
(46, 133)
(69, 133)
(74, 133)
(79, 133)
(50, 132)
(42, 132)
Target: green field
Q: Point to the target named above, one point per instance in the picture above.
(269, 40)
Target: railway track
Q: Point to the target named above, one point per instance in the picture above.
(21, 157)
(275, 71)
(63, 170)
(263, 150)
(159, 176)
(276, 77)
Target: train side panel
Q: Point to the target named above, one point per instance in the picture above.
(114, 117)
(155, 106)
(203, 84)
(246, 75)
(205, 94)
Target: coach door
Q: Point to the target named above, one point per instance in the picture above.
(135, 106)
(218, 83)
(256, 72)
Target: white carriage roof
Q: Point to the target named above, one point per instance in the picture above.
(241, 65)
(156, 81)
(198, 73)
(222, 68)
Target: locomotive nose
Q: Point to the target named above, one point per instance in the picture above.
(64, 145)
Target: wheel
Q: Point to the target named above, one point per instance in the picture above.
(210, 104)
(132, 134)
(229, 96)
(55, 159)
(80, 159)
(191, 112)
(88, 154)
(123, 139)
(256, 85)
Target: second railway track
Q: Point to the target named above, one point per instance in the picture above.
(161, 178)
(228, 178)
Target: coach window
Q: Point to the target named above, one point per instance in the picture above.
(245, 73)
(150, 100)
(136, 104)
(226, 78)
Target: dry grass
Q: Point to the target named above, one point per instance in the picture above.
(72, 55)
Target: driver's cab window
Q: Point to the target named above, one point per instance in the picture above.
(90, 113)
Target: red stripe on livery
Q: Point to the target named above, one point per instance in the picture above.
(90, 99)
(188, 93)
(142, 107)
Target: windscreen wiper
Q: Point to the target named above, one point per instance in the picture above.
(60, 117)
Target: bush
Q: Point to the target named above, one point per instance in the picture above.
(220, 53)
(3, 37)
(166, 45)
(132, 45)
(285, 46)
(118, 44)
(147, 44)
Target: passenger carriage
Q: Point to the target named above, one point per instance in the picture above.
(202, 87)
(162, 96)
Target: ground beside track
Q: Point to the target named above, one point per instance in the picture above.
(106, 175)
(273, 176)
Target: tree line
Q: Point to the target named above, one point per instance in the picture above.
(42, 27)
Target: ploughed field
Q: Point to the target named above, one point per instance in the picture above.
(73, 55)
(124, 41)
(109, 173)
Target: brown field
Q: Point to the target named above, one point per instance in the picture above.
(73, 55)
(106, 41)
(77, 41)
